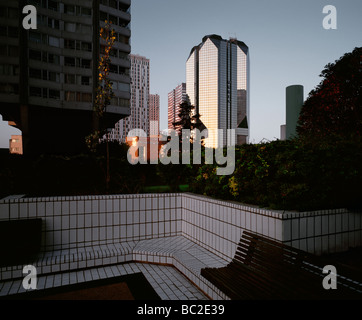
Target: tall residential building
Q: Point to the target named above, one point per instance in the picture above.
(140, 91)
(218, 85)
(154, 114)
(49, 75)
(176, 97)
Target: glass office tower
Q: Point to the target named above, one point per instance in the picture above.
(217, 84)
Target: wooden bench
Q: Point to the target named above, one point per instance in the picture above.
(267, 269)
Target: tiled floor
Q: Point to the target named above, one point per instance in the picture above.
(167, 281)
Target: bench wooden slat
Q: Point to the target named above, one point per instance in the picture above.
(267, 269)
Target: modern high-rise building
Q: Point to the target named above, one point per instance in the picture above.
(49, 75)
(140, 91)
(154, 114)
(218, 85)
(175, 98)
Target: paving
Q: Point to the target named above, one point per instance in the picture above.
(167, 281)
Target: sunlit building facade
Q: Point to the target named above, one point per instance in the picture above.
(154, 113)
(175, 98)
(218, 85)
(140, 92)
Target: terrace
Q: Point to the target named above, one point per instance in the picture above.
(167, 237)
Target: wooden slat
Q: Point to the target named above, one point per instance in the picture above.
(266, 269)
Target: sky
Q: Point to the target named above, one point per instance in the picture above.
(287, 43)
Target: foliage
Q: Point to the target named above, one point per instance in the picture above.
(289, 175)
(104, 93)
(334, 107)
(188, 120)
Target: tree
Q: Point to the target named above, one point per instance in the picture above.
(187, 121)
(334, 107)
(104, 93)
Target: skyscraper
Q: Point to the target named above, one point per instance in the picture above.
(140, 91)
(49, 75)
(154, 114)
(176, 97)
(218, 85)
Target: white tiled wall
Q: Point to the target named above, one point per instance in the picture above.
(70, 222)
(215, 225)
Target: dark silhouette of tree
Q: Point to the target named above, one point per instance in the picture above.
(334, 107)
(188, 120)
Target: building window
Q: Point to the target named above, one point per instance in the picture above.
(34, 37)
(86, 63)
(69, 61)
(54, 76)
(54, 94)
(34, 55)
(9, 88)
(86, 11)
(13, 51)
(54, 42)
(69, 9)
(35, 92)
(13, 32)
(113, 4)
(52, 5)
(86, 97)
(69, 96)
(85, 81)
(53, 58)
(35, 73)
(70, 78)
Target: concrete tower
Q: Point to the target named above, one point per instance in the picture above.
(294, 103)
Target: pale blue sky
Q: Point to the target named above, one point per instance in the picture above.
(287, 43)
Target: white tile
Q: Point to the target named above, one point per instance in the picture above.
(253, 219)
(31, 209)
(88, 206)
(136, 204)
(102, 206)
(80, 207)
(129, 217)
(95, 234)
(102, 219)
(129, 231)
(80, 221)
(310, 226)
(142, 203)
(40, 208)
(129, 205)
(247, 221)
(325, 225)
(155, 229)
(351, 220)
(123, 203)
(148, 204)
(287, 232)
(49, 208)
(23, 210)
(295, 229)
(266, 222)
(317, 226)
(72, 207)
